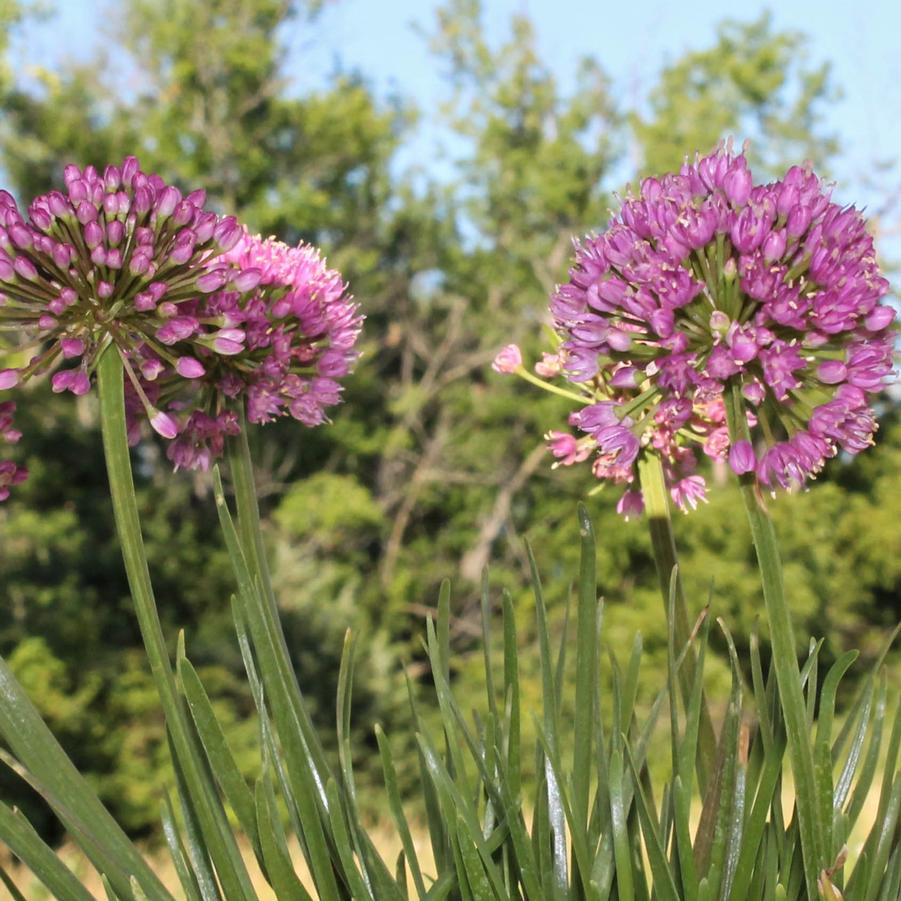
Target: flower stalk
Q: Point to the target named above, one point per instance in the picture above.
(785, 660)
(663, 546)
(216, 829)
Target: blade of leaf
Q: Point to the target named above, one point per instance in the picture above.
(222, 761)
(67, 791)
(22, 839)
(397, 811)
(279, 868)
(189, 883)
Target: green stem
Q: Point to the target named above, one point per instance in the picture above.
(307, 767)
(524, 373)
(265, 614)
(785, 658)
(663, 545)
(218, 833)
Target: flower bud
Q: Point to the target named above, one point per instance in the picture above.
(139, 264)
(754, 392)
(163, 424)
(21, 236)
(246, 280)
(74, 380)
(630, 504)
(61, 254)
(798, 221)
(151, 368)
(227, 347)
(180, 328)
(72, 347)
(93, 234)
(183, 213)
(115, 232)
(741, 457)
(25, 269)
(86, 212)
(41, 218)
(508, 359)
(227, 233)
(880, 318)
(737, 185)
(831, 372)
(167, 202)
(625, 377)
(549, 365)
(190, 368)
(143, 201)
(719, 322)
(181, 253)
(204, 227)
(774, 246)
(212, 281)
(619, 340)
(58, 205)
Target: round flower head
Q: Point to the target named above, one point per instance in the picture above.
(287, 333)
(200, 312)
(107, 262)
(703, 284)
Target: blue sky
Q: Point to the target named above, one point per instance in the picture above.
(632, 40)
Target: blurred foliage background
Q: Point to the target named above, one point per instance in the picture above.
(434, 465)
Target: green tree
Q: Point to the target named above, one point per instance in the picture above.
(755, 82)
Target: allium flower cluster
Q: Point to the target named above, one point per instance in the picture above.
(705, 284)
(200, 312)
(291, 335)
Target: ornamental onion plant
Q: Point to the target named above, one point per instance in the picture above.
(743, 322)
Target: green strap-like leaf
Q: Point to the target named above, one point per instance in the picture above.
(284, 698)
(222, 761)
(586, 677)
(188, 880)
(22, 839)
(664, 884)
(279, 868)
(397, 811)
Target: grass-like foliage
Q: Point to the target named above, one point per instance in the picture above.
(593, 823)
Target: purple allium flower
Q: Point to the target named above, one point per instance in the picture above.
(200, 311)
(549, 366)
(688, 492)
(566, 448)
(704, 281)
(741, 457)
(630, 504)
(283, 331)
(508, 359)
